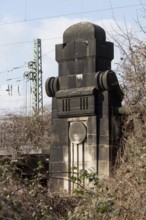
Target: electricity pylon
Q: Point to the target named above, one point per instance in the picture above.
(35, 75)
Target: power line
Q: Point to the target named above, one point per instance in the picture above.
(47, 39)
(85, 12)
(15, 43)
(48, 52)
(22, 66)
(71, 14)
(18, 79)
(30, 41)
(14, 68)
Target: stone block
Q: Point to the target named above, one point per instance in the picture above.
(84, 126)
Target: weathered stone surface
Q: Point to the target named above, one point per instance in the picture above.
(85, 127)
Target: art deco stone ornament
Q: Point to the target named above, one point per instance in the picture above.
(85, 126)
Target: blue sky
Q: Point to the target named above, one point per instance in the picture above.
(21, 21)
(30, 9)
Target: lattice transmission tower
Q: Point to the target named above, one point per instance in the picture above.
(35, 76)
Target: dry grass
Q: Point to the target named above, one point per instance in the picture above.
(123, 196)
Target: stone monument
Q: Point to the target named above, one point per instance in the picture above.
(85, 96)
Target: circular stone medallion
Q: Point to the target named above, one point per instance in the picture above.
(77, 132)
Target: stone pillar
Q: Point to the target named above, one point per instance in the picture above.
(85, 128)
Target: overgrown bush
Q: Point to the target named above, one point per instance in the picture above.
(26, 198)
(122, 196)
(18, 132)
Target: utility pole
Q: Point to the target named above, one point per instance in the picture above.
(35, 75)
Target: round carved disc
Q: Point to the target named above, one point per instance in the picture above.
(77, 132)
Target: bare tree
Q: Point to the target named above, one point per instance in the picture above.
(19, 132)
